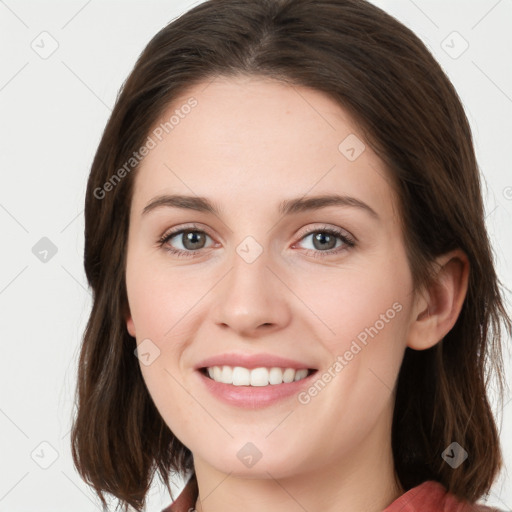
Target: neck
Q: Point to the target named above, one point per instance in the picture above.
(362, 480)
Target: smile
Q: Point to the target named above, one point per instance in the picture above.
(240, 376)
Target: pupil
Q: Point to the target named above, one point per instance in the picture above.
(190, 238)
(321, 238)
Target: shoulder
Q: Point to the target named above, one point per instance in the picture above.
(483, 508)
(431, 496)
(186, 501)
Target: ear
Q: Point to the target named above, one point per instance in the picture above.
(437, 307)
(130, 326)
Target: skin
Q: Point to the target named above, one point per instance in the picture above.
(249, 144)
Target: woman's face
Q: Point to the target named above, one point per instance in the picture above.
(274, 272)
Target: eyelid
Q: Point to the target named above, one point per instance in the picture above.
(184, 227)
(314, 227)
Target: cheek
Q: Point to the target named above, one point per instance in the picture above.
(162, 308)
(362, 320)
(161, 300)
(348, 302)
(363, 329)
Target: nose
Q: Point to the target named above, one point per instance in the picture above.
(252, 299)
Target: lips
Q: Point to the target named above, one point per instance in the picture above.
(253, 380)
(250, 396)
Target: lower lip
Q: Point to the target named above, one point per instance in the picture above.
(252, 397)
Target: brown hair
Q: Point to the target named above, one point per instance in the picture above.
(412, 117)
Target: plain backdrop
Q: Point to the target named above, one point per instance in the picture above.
(62, 64)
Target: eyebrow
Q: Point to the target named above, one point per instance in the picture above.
(286, 207)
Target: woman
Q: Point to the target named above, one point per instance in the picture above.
(284, 224)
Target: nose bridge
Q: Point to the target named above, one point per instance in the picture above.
(248, 297)
(249, 269)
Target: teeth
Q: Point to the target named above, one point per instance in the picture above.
(239, 376)
(259, 376)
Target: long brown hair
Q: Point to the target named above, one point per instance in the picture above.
(412, 117)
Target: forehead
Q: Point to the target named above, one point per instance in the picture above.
(249, 138)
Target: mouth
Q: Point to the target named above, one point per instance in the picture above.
(255, 377)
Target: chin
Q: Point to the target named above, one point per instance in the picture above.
(249, 461)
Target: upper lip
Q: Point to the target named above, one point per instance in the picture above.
(251, 361)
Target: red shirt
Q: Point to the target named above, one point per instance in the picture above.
(430, 496)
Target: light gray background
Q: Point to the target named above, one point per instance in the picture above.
(52, 114)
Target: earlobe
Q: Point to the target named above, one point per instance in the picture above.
(130, 326)
(438, 306)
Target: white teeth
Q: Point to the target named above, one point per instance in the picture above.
(275, 376)
(227, 374)
(301, 374)
(259, 377)
(239, 376)
(289, 375)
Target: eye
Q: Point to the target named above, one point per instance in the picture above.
(324, 241)
(189, 240)
(328, 240)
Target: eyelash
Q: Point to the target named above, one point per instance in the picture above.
(347, 240)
